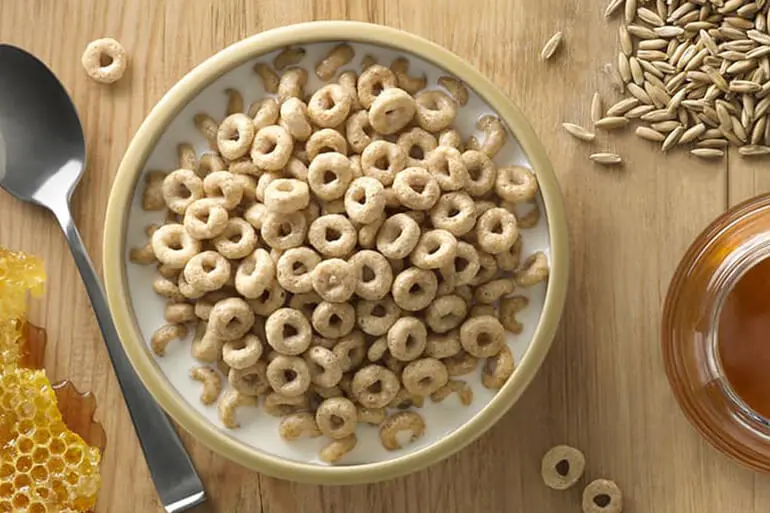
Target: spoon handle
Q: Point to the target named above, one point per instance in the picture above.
(175, 478)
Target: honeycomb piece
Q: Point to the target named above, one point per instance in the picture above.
(20, 274)
(44, 467)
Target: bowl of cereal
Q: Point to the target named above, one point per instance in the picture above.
(336, 253)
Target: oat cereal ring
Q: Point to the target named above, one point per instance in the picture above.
(297, 170)
(242, 353)
(482, 336)
(333, 320)
(229, 403)
(250, 381)
(163, 336)
(329, 106)
(305, 303)
(337, 417)
(286, 195)
(443, 345)
(234, 101)
(404, 400)
(446, 165)
(143, 255)
(288, 57)
(272, 148)
(414, 288)
(237, 240)
(288, 375)
(496, 230)
(498, 369)
(254, 274)
(337, 449)
(424, 376)
(337, 57)
(375, 386)
(179, 313)
(407, 339)
(365, 200)
(602, 496)
(207, 271)
(325, 369)
(168, 272)
(209, 163)
(350, 350)
(288, 331)
(294, 267)
(562, 467)
(231, 319)
(277, 405)
(167, 288)
(325, 392)
(481, 310)
(435, 249)
(460, 364)
(271, 299)
(332, 235)
(368, 61)
(373, 80)
(205, 218)
(367, 234)
(264, 181)
(152, 196)
(377, 349)
(334, 280)
(494, 136)
(373, 274)
(222, 187)
(268, 76)
(329, 175)
(482, 173)
(105, 60)
(264, 112)
(451, 137)
(358, 131)
(391, 111)
(283, 231)
(463, 390)
(465, 292)
(487, 269)
(173, 246)
(373, 416)
(187, 290)
(509, 260)
(205, 347)
(294, 118)
(382, 160)
(533, 271)
(446, 313)
(435, 110)
(445, 276)
(348, 80)
(509, 307)
(456, 88)
(402, 422)
(212, 383)
(235, 136)
(376, 317)
(416, 188)
(411, 85)
(208, 128)
(417, 144)
(333, 207)
(298, 425)
(492, 291)
(516, 184)
(398, 236)
(292, 84)
(180, 188)
(466, 263)
(326, 140)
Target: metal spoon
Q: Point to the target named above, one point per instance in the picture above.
(42, 156)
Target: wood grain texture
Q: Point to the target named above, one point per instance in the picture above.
(602, 387)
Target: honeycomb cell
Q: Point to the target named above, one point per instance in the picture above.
(6, 491)
(57, 446)
(40, 455)
(42, 493)
(20, 500)
(73, 456)
(36, 507)
(25, 445)
(39, 473)
(55, 465)
(6, 507)
(26, 427)
(21, 481)
(6, 471)
(23, 464)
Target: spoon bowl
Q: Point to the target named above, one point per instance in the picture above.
(42, 157)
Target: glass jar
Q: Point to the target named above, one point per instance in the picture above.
(718, 258)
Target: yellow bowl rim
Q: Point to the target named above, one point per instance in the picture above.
(121, 197)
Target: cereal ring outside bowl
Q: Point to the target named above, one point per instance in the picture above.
(138, 312)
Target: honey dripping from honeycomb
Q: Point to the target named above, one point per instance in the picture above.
(44, 466)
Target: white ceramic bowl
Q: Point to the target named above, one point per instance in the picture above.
(139, 312)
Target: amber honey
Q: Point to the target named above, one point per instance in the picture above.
(744, 338)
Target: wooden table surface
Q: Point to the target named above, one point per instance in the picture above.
(602, 387)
